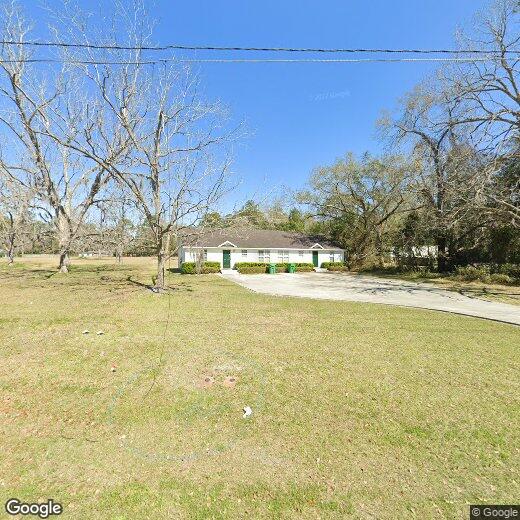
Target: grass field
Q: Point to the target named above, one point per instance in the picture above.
(359, 410)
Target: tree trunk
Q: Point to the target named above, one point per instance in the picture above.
(10, 253)
(161, 261)
(64, 238)
(11, 239)
(64, 262)
(379, 249)
(163, 248)
(442, 256)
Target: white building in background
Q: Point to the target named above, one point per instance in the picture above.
(229, 246)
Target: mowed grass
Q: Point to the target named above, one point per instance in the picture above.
(359, 411)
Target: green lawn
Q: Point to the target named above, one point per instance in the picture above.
(359, 411)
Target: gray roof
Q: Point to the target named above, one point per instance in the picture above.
(259, 238)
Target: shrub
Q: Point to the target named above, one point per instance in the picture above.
(299, 266)
(499, 278)
(206, 268)
(511, 270)
(238, 265)
(303, 267)
(334, 266)
(252, 269)
(337, 268)
(281, 267)
(471, 273)
(325, 265)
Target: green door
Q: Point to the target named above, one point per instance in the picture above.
(226, 259)
(315, 258)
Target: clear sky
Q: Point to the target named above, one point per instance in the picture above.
(305, 115)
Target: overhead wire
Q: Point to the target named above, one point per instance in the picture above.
(250, 60)
(100, 46)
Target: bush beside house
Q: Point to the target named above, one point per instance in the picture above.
(259, 267)
(334, 266)
(205, 268)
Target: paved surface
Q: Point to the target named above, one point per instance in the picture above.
(363, 288)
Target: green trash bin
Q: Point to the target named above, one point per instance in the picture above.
(292, 268)
(272, 268)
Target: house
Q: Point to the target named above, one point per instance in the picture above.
(229, 246)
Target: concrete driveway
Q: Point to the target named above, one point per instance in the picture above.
(363, 288)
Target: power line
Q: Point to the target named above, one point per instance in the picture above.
(251, 49)
(250, 60)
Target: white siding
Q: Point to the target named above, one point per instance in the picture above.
(214, 254)
(325, 256)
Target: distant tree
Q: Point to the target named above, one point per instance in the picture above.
(213, 220)
(448, 167)
(15, 215)
(295, 221)
(488, 94)
(489, 89)
(250, 215)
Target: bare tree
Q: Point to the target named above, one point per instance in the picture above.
(42, 108)
(176, 164)
(449, 168)
(489, 91)
(490, 86)
(15, 217)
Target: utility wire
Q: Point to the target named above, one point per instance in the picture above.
(247, 60)
(250, 49)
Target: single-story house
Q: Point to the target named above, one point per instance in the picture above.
(229, 246)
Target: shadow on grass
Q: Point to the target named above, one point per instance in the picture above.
(46, 273)
(150, 287)
(482, 292)
(139, 284)
(98, 268)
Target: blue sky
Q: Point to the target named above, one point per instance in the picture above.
(305, 115)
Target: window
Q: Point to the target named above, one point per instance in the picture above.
(244, 253)
(283, 256)
(300, 254)
(264, 255)
(331, 256)
(205, 255)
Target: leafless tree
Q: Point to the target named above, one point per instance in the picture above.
(449, 169)
(488, 89)
(41, 109)
(15, 215)
(489, 85)
(176, 164)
